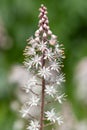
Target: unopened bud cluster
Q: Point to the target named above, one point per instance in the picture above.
(43, 58)
(44, 29)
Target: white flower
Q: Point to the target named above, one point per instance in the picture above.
(36, 61)
(24, 111)
(59, 53)
(30, 51)
(50, 90)
(27, 87)
(28, 64)
(30, 40)
(33, 101)
(60, 78)
(61, 98)
(34, 125)
(44, 72)
(59, 120)
(42, 46)
(31, 82)
(55, 66)
(49, 55)
(51, 115)
(57, 48)
(53, 40)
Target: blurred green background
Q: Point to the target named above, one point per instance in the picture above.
(18, 21)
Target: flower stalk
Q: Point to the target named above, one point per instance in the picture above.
(43, 96)
(43, 58)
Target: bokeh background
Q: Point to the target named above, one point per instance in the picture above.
(18, 21)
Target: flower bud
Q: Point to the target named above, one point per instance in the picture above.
(45, 26)
(49, 32)
(52, 42)
(47, 21)
(42, 20)
(45, 16)
(42, 5)
(44, 35)
(48, 27)
(54, 36)
(37, 32)
(45, 12)
(37, 39)
(40, 15)
(44, 8)
(40, 29)
(41, 10)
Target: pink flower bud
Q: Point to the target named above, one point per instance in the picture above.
(42, 19)
(37, 32)
(45, 16)
(37, 39)
(40, 29)
(40, 15)
(42, 5)
(49, 32)
(54, 36)
(52, 42)
(45, 12)
(45, 26)
(44, 35)
(48, 27)
(47, 21)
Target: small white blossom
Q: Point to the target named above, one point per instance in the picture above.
(24, 111)
(30, 51)
(55, 66)
(31, 83)
(42, 46)
(33, 101)
(27, 87)
(49, 55)
(34, 125)
(51, 115)
(36, 61)
(28, 64)
(59, 120)
(30, 40)
(50, 90)
(44, 72)
(53, 40)
(59, 53)
(60, 79)
(61, 98)
(57, 48)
